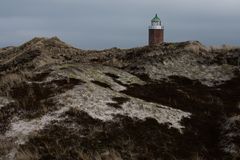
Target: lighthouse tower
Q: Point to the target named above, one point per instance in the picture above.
(156, 31)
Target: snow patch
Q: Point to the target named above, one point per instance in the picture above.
(94, 100)
(88, 73)
(231, 133)
(21, 129)
(186, 66)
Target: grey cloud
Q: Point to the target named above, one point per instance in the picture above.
(107, 23)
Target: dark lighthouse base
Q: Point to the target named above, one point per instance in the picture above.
(156, 36)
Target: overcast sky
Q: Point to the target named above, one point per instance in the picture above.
(98, 24)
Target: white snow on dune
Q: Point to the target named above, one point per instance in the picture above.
(21, 129)
(231, 133)
(94, 100)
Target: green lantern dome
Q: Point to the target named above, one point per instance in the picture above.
(156, 19)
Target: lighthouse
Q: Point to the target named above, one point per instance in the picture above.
(156, 31)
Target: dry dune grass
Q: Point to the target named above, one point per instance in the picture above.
(107, 155)
(13, 79)
(224, 47)
(5, 145)
(26, 155)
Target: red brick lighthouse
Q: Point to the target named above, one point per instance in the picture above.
(156, 31)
